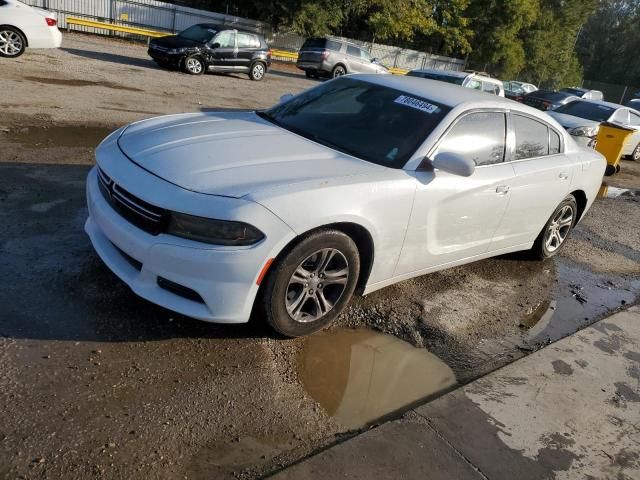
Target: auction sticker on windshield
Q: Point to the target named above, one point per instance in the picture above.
(416, 103)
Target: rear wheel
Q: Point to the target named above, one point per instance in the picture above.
(257, 71)
(338, 71)
(636, 153)
(554, 234)
(194, 65)
(12, 42)
(309, 287)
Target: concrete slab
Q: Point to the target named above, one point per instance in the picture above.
(571, 410)
(402, 449)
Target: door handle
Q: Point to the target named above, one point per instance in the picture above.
(502, 189)
(564, 176)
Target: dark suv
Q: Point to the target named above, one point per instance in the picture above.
(207, 47)
(332, 57)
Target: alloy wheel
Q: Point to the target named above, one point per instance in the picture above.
(194, 65)
(559, 228)
(316, 285)
(636, 153)
(11, 43)
(258, 71)
(338, 72)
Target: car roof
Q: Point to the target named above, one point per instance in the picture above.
(451, 73)
(220, 28)
(441, 92)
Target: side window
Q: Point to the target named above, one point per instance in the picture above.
(490, 88)
(477, 136)
(246, 40)
(364, 55)
(621, 116)
(226, 39)
(333, 45)
(635, 119)
(532, 138)
(353, 51)
(554, 142)
(474, 84)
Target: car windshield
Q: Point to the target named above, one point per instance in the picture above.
(438, 76)
(198, 33)
(375, 123)
(588, 110)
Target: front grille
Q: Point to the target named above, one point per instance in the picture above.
(158, 48)
(142, 214)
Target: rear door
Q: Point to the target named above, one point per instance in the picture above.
(634, 142)
(248, 47)
(543, 176)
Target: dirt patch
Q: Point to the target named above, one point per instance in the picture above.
(74, 82)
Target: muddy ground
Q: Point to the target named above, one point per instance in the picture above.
(97, 382)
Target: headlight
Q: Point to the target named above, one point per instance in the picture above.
(584, 131)
(177, 50)
(218, 232)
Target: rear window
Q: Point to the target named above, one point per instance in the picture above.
(246, 40)
(321, 43)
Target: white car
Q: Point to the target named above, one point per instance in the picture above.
(582, 119)
(358, 183)
(467, 79)
(22, 26)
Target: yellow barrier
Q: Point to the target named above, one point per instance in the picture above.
(115, 28)
(398, 71)
(284, 54)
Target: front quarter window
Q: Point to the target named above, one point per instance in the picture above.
(375, 123)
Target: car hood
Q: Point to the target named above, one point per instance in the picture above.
(174, 41)
(569, 121)
(231, 154)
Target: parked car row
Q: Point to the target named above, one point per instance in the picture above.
(22, 26)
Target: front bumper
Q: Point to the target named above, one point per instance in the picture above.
(224, 278)
(172, 60)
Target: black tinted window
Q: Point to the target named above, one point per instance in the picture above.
(198, 33)
(351, 50)
(532, 138)
(373, 122)
(2, 3)
(554, 142)
(477, 136)
(246, 40)
(321, 43)
(591, 111)
(436, 76)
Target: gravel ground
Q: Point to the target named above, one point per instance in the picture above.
(97, 382)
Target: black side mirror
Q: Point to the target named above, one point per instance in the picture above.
(215, 45)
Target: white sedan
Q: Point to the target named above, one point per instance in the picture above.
(356, 184)
(22, 26)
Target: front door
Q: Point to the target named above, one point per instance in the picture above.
(455, 218)
(223, 52)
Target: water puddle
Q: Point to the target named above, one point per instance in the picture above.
(580, 297)
(46, 137)
(73, 82)
(359, 376)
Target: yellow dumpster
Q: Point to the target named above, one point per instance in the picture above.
(610, 143)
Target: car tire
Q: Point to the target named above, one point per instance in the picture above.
(193, 65)
(338, 71)
(257, 71)
(311, 284)
(12, 42)
(635, 156)
(557, 229)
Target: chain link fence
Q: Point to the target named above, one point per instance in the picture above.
(612, 92)
(386, 54)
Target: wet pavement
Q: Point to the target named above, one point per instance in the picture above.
(95, 381)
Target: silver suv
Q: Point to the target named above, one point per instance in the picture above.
(332, 57)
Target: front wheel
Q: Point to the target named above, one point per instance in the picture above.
(636, 153)
(257, 71)
(309, 287)
(193, 65)
(554, 234)
(12, 42)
